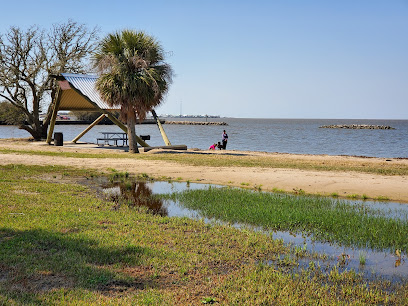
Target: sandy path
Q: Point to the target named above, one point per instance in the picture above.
(322, 182)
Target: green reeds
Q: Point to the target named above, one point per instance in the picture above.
(362, 258)
(327, 219)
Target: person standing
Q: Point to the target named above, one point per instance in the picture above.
(224, 140)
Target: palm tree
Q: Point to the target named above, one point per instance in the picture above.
(133, 75)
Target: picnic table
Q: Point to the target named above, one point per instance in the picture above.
(113, 138)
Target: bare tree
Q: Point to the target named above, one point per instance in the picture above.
(29, 58)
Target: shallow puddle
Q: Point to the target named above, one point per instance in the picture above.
(141, 194)
(377, 263)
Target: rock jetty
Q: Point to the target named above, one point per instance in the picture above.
(358, 127)
(195, 123)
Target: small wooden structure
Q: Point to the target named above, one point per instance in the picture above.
(78, 92)
(114, 138)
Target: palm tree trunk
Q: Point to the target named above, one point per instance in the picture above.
(131, 131)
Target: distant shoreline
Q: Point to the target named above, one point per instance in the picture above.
(164, 119)
(87, 122)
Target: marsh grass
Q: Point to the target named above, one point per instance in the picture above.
(362, 258)
(62, 245)
(326, 219)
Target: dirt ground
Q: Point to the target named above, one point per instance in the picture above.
(310, 181)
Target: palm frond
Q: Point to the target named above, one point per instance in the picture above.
(132, 71)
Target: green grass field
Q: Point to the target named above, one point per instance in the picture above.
(62, 244)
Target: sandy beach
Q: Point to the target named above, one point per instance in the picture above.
(345, 184)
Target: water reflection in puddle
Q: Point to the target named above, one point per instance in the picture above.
(377, 263)
(141, 194)
(136, 194)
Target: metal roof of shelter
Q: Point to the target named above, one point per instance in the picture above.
(78, 92)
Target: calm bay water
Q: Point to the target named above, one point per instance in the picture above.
(302, 136)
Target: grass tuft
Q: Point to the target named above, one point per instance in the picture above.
(326, 219)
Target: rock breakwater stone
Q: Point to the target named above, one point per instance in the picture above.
(358, 127)
(195, 123)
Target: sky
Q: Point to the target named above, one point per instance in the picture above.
(260, 59)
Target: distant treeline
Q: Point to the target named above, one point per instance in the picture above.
(10, 115)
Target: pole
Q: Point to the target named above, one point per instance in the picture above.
(54, 116)
(163, 133)
(124, 128)
(99, 119)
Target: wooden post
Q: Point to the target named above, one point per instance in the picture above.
(54, 116)
(124, 128)
(162, 132)
(116, 121)
(99, 119)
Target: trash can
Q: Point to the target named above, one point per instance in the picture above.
(58, 139)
